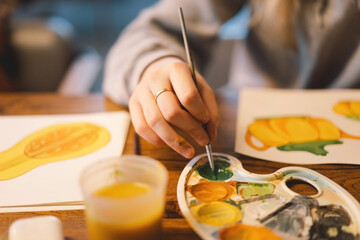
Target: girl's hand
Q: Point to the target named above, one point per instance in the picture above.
(155, 106)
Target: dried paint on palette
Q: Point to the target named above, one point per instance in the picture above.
(330, 222)
(291, 217)
(217, 213)
(212, 191)
(248, 190)
(239, 209)
(246, 232)
(221, 171)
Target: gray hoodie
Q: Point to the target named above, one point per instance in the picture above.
(326, 53)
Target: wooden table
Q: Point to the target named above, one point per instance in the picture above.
(175, 226)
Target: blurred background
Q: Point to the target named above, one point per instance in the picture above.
(61, 45)
(55, 41)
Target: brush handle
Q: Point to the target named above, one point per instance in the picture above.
(192, 70)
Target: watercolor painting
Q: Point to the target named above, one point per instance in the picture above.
(295, 134)
(54, 143)
(299, 126)
(349, 109)
(42, 156)
(232, 203)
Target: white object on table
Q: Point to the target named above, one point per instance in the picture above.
(39, 228)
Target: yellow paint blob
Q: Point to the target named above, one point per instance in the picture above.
(51, 144)
(355, 107)
(146, 227)
(300, 130)
(217, 213)
(342, 108)
(265, 133)
(246, 232)
(326, 130)
(123, 190)
(348, 108)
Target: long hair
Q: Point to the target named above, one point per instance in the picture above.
(279, 16)
(276, 17)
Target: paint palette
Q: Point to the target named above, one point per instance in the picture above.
(233, 203)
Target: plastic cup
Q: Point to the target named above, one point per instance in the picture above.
(124, 198)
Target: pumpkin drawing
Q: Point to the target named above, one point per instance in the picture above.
(295, 134)
(350, 109)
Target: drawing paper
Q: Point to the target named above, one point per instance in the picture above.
(311, 119)
(55, 185)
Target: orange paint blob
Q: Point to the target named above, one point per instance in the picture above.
(245, 232)
(211, 191)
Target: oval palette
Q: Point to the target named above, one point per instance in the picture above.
(232, 203)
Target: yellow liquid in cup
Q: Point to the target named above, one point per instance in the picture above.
(148, 227)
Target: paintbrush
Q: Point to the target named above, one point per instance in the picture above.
(192, 69)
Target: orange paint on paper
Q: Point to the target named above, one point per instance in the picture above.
(55, 143)
(280, 131)
(246, 232)
(211, 191)
(294, 134)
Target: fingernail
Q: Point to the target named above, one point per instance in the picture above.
(206, 119)
(189, 152)
(214, 135)
(203, 139)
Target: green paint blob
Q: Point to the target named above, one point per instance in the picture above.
(193, 202)
(255, 189)
(221, 172)
(316, 147)
(354, 117)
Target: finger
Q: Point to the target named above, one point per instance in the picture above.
(175, 115)
(208, 96)
(171, 109)
(187, 92)
(140, 124)
(162, 128)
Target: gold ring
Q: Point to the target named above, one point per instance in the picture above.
(156, 95)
